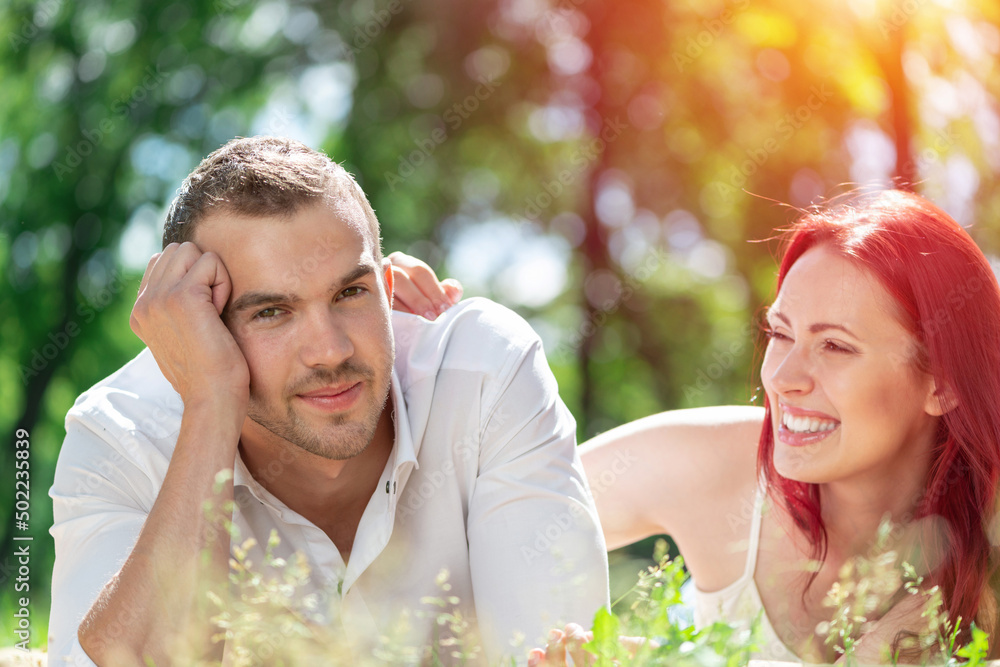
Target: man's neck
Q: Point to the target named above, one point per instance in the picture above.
(331, 494)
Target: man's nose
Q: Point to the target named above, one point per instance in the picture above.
(325, 340)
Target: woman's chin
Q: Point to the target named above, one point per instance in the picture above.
(796, 465)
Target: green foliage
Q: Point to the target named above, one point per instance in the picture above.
(650, 635)
(975, 652)
(659, 639)
(267, 616)
(107, 106)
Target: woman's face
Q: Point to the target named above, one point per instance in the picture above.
(847, 401)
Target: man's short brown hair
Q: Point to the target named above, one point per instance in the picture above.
(262, 177)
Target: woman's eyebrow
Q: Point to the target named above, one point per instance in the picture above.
(818, 327)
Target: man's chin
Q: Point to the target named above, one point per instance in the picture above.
(336, 442)
(338, 446)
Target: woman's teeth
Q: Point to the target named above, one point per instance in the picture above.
(807, 424)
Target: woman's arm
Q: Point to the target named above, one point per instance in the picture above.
(672, 472)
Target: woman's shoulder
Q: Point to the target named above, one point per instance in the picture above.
(695, 432)
(706, 461)
(706, 451)
(669, 471)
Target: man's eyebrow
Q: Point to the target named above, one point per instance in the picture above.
(249, 300)
(359, 272)
(814, 328)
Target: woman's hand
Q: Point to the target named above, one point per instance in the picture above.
(562, 643)
(568, 643)
(417, 290)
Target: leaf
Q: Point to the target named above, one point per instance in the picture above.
(605, 641)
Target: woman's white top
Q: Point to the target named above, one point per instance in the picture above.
(739, 603)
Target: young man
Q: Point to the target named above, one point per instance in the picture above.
(384, 447)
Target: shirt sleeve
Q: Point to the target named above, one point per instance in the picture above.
(536, 548)
(97, 516)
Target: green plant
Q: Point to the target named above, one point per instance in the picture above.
(268, 618)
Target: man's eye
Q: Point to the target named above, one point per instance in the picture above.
(266, 314)
(352, 291)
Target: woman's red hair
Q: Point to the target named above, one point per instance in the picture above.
(949, 299)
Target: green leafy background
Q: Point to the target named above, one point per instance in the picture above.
(600, 166)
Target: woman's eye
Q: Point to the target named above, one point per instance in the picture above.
(771, 334)
(834, 346)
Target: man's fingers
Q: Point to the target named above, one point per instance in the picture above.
(149, 270)
(172, 264)
(141, 303)
(183, 266)
(209, 270)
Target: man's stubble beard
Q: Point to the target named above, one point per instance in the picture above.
(341, 437)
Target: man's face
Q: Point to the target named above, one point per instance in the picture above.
(310, 311)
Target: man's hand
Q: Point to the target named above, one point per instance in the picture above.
(178, 315)
(417, 290)
(160, 586)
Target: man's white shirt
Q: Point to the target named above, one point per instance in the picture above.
(483, 481)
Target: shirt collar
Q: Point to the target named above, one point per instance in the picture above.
(403, 452)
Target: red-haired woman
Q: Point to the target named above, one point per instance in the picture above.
(882, 383)
(882, 398)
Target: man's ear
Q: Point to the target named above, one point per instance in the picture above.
(941, 399)
(387, 279)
